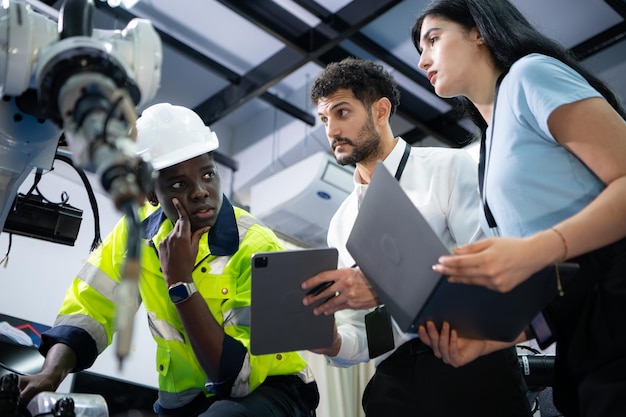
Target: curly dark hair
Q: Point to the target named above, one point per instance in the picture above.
(367, 80)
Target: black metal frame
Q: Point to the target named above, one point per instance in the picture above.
(323, 44)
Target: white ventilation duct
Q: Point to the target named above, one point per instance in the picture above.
(299, 201)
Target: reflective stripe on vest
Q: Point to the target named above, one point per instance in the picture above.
(91, 326)
(243, 224)
(241, 386)
(98, 280)
(239, 316)
(163, 330)
(174, 400)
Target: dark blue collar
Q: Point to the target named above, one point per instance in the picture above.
(223, 238)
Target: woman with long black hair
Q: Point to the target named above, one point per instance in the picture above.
(553, 187)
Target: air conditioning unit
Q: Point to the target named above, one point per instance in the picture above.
(299, 201)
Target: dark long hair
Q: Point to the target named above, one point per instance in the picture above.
(509, 37)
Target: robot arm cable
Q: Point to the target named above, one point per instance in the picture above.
(97, 238)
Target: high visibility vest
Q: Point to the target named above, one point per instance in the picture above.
(222, 280)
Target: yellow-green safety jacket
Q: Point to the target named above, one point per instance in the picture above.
(222, 276)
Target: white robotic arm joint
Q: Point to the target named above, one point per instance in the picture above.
(87, 81)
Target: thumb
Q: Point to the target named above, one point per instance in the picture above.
(471, 247)
(195, 237)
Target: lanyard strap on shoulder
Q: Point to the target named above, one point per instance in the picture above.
(405, 158)
(491, 221)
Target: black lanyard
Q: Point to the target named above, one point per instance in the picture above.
(405, 158)
(491, 221)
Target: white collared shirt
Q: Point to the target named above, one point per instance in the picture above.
(442, 183)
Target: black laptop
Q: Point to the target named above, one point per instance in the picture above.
(395, 247)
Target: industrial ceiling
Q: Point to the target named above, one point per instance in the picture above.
(246, 66)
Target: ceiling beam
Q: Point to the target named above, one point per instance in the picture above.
(600, 42)
(283, 63)
(311, 44)
(618, 5)
(315, 9)
(210, 64)
(312, 41)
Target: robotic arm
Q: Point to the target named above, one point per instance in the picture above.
(86, 83)
(27, 140)
(90, 84)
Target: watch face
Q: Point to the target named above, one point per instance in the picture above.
(178, 293)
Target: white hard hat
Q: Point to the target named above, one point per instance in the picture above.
(168, 135)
